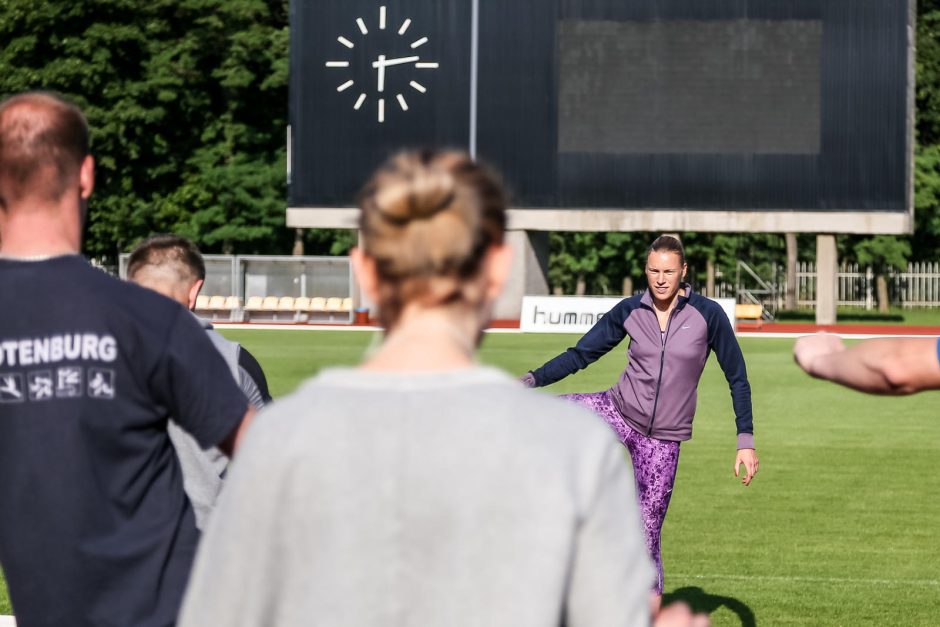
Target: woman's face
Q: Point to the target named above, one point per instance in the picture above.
(664, 271)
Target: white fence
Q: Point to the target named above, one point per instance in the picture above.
(918, 286)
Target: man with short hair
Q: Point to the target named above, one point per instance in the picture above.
(95, 528)
(172, 265)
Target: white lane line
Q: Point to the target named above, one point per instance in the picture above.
(362, 98)
(362, 26)
(419, 42)
(418, 86)
(337, 64)
(401, 101)
(404, 26)
(930, 583)
(345, 86)
(345, 42)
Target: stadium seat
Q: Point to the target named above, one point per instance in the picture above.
(254, 303)
(346, 304)
(216, 303)
(285, 303)
(751, 312)
(202, 302)
(269, 303)
(334, 304)
(301, 303)
(318, 304)
(232, 303)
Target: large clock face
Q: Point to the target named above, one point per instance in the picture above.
(396, 52)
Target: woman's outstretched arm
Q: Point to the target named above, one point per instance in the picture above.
(597, 342)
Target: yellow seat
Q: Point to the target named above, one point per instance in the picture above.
(750, 311)
(202, 302)
(318, 304)
(254, 303)
(334, 304)
(346, 305)
(269, 303)
(301, 303)
(285, 303)
(232, 302)
(217, 302)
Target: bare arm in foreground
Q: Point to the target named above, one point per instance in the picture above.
(880, 366)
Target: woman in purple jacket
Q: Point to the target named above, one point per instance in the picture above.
(672, 330)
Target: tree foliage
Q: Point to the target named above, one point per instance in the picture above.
(187, 104)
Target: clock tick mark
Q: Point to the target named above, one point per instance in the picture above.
(345, 86)
(382, 18)
(404, 26)
(426, 66)
(362, 26)
(401, 101)
(419, 42)
(345, 42)
(418, 86)
(381, 110)
(337, 64)
(358, 105)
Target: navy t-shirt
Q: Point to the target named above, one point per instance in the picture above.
(95, 528)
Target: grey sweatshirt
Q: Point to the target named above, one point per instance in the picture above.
(454, 498)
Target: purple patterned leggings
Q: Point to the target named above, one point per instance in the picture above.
(654, 466)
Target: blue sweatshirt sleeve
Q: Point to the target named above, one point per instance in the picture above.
(721, 339)
(603, 336)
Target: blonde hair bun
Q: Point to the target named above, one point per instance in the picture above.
(418, 195)
(427, 219)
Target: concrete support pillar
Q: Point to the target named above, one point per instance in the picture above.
(359, 299)
(827, 268)
(529, 274)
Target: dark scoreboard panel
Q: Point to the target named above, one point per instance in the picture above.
(621, 104)
(335, 144)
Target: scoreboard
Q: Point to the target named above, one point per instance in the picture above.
(765, 115)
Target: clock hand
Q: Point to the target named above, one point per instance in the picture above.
(383, 62)
(381, 72)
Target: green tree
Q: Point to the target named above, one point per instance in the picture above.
(928, 72)
(187, 103)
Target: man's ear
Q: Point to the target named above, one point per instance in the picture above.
(366, 274)
(86, 177)
(194, 293)
(496, 268)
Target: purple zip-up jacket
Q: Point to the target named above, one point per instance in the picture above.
(657, 392)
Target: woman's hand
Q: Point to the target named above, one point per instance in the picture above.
(748, 457)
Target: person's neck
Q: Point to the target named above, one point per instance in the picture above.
(39, 231)
(666, 307)
(428, 340)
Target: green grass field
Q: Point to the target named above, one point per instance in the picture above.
(841, 527)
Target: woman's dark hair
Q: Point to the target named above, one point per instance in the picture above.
(668, 243)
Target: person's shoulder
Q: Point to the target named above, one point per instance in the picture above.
(630, 302)
(118, 293)
(706, 306)
(626, 306)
